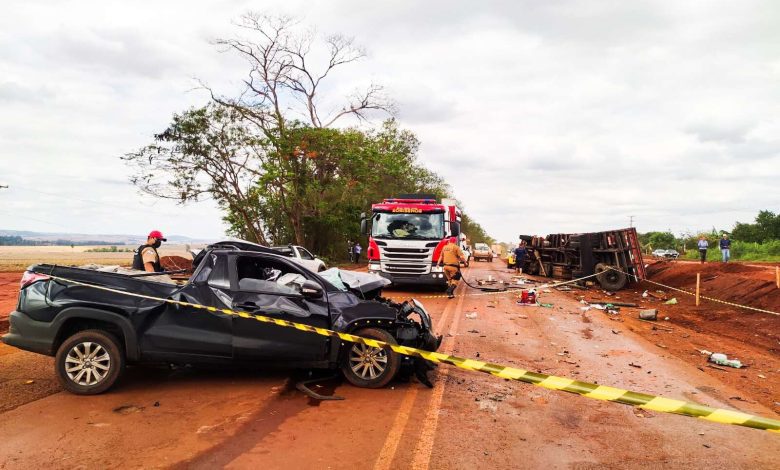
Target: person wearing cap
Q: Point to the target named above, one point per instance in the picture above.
(146, 257)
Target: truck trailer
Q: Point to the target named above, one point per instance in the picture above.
(576, 255)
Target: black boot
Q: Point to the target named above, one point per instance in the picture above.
(450, 291)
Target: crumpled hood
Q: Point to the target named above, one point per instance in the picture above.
(355, 281)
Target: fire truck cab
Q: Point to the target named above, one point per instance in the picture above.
(406, 235)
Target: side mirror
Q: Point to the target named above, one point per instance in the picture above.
(455, 228)
(311, 290)
(364, 225)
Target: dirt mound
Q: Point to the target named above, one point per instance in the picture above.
(175, 263)
(739, 283)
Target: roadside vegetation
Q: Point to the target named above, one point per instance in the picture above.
(758, 241)
(277, 157)
(110, 249)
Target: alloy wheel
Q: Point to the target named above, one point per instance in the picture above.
(367, 362)
(87, 363)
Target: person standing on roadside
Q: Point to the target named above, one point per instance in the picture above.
(703, 245)
(725, 248)
(351, 251)
(520, 253)
(146, 257)
(451, 257)
(357, 249)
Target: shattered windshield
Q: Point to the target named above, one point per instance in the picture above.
(408, 226)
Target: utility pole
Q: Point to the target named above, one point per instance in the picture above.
(630, 221)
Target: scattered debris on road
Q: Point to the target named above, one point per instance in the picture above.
(649, 314)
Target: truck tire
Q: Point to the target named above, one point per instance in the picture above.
(610, 279)
(89, 362)
(369, 367)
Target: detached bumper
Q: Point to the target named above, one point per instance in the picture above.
(30, 335)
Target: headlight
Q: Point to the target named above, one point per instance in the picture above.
(436, 269)
(374, 267)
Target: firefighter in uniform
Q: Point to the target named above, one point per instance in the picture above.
(451, 257)
(146, 257)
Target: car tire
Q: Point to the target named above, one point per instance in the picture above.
(89, 362)
(383, 364)
(610, 279)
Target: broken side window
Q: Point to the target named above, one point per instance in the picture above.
(219, 274)
(269, 276)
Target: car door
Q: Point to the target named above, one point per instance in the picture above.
(255, 290)
(185, 333)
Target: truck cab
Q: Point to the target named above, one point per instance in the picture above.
(406, 236)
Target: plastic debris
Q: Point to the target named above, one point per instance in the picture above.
(672, 301)
(722, 360)
(471, 316)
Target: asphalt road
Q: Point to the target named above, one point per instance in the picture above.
(187, 418)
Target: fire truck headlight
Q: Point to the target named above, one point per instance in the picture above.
(374, 267)
(436, 269)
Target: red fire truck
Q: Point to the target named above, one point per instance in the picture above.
(406, 236)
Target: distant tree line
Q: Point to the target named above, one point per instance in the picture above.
(15, 240)
(758, 241)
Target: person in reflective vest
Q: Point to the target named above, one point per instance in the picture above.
(451, 256)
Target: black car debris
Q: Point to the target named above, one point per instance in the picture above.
(94, 333)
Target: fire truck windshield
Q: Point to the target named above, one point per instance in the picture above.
(408, 226)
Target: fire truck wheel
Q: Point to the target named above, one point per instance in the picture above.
(610, 279)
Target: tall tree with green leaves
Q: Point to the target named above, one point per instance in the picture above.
(271, 158)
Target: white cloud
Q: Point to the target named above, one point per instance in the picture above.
(543, 116)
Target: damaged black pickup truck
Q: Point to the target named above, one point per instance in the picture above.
(94, 333)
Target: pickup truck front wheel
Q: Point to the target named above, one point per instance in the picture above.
(89, 362)
(369, 367)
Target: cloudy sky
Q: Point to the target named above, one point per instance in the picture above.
(544, 117)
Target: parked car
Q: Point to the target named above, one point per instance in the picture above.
(669, 254)
(302, 256)
(93, 333)
(482, 251)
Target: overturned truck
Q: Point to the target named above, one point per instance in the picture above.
(577, 255)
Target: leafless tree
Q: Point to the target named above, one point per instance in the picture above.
(287, 70)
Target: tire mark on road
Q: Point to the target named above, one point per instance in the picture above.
(390, 447)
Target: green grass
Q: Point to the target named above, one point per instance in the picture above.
(743, 251)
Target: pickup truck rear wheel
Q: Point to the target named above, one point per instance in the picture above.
(369, 367)
(89, 362)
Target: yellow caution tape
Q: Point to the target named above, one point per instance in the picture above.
(514, 288)
(711, 299)
(597, 392)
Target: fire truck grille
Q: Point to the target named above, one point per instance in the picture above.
(410, 254)
(405, 268)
